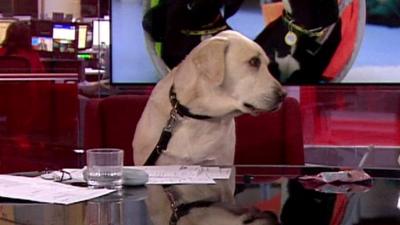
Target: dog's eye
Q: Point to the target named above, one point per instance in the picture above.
(255, 62)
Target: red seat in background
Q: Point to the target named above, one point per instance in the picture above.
(111, 122)
(271, 138)
(14, 64)
(38, 125)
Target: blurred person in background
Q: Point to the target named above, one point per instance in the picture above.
(18, 43)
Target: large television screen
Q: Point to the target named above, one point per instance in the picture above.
(131, 62)
(324, 44)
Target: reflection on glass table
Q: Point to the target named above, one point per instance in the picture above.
(353, 156)
(264, 195)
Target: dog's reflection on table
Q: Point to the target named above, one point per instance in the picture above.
(287, 202)
(201, 205)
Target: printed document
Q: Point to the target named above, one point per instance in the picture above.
(40, 190)
(171, 174)
(184, 174)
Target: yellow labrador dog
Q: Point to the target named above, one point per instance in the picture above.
(189, 117)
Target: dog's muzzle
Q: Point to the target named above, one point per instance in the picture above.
(280, 96)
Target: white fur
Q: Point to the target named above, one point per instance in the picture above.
(215, 79)
(287, 66)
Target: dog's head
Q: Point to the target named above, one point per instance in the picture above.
(227, 74)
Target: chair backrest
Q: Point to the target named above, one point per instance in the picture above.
(14, 64)
(271, 138)
(111, 122)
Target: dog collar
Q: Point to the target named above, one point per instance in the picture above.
(212, 28)
(315, 32)
(294, 29)
(183, 209)
(204, 32)
(181, 109)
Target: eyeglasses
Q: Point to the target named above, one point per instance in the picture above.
(56, 175)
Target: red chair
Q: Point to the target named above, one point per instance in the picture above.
(271, 138)
(14, 64)
(111, 122)
(38, 125)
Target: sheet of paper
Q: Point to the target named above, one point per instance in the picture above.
(217, 173)
(184, 174)
(39, 190)
(170, 171)
(174, 174)
(181, 180)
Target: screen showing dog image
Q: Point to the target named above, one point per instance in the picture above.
(306, 41)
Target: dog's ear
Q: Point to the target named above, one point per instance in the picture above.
(209, 60)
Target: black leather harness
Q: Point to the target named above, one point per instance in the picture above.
(183, 209)
(166, 134)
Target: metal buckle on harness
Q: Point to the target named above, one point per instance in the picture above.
(171, 123)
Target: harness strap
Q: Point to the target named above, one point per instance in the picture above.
(183, 209)
(160, 147)
(166, 134)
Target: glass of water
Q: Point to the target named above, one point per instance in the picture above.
(104, 167)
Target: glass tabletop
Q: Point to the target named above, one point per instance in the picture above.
(353, 156)
(253, 195)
